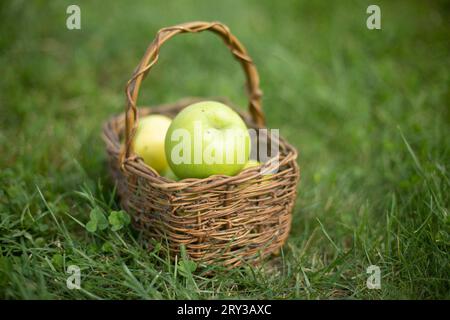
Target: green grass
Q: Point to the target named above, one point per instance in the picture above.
(368, 111)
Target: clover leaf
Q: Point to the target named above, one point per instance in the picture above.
(118, 220)
(58, 261)
(97, 221)
(91, 226)
(186, 267)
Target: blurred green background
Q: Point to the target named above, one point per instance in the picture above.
(368, 111)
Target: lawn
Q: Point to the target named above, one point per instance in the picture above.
(368, 111)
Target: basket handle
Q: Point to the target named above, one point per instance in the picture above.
(151, 57)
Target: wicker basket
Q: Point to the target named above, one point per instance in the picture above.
(220, 219)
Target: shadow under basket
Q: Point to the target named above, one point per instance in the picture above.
(220, 220)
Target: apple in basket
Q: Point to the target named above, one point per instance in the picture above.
(251, 163)
(207, 138)
(148, 142)
(168, 173)
(255, 163)
(266, 176)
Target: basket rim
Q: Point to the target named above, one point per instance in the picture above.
(136, 165)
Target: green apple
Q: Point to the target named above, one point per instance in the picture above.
(254, 163)
(168, 173)
(148, 142)
(251, 163)
(207, 138)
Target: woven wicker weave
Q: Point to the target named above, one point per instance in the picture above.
(220, 219)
